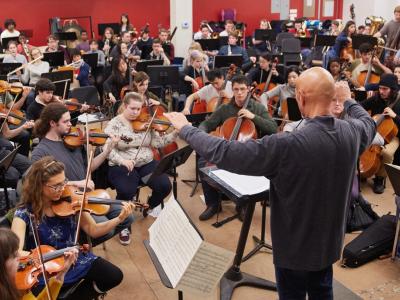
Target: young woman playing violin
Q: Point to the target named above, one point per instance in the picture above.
(9, 262)
(43, 186)
(141, 86)
(129, 162)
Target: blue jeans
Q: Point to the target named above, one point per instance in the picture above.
(295, 284)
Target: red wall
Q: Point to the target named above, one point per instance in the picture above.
(35, 15)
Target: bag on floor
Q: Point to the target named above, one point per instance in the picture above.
(360, 214)
(373, 242)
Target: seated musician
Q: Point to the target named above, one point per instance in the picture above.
(334, 29)
(9, 31)
(54, 123)
(204, 32)
(82, 69)
(125, 24)
(13, 56)
(118, 79)
(282, 91)
(195, 46)
(255, 112)
(83, 45)
(166, 44)
(141, 85)
(98, 72)
(298, 29)
(145, 40)
(158, 53)
(24, 47)
(132, 48)
(260, 73)
(53, 46)
(359, 65)
(229, 28)
(129, 161)
(360, 29)
(234, 49)
(380, 104)
(106, 44)
(44, 89)
(43, 185)
(196, 69)
(33, 71)
(262, 46)
(215, 89)
(10, 263)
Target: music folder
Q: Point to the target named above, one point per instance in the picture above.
(91, 59)
(55, 59)
(325, 40)
(359, 39)
(264, 35)
(209, 44)
(226, 60)
(143, 64)
(182, 258)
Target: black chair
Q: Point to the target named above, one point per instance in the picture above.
(291, 49)
(279, 39)
(86, 94)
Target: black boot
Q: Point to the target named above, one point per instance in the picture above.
(379, 185)
(209, 212)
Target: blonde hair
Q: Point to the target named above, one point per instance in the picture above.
(131, 96)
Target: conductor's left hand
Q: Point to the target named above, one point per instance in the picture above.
(178, 120)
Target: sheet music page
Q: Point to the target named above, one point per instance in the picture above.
(245, 185)
(206, 270)
(174, 240)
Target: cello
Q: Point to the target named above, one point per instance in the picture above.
(368, 76)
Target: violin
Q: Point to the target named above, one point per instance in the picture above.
(15, 117)
(30, 267)
(214, 103)
(76, 138)
(96, 202)
(7, 87)
(73, 105)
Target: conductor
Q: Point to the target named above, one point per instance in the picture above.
(310, 170)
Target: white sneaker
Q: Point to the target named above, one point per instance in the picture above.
(125, 237)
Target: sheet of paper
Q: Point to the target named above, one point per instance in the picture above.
(245, 185)
(206, 270)
(174, 240)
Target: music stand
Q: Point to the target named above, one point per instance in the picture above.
(143, 64)
(195, 119)
(325, 40)
(66, 36)
(234, 277)
(223, 40)
(101, 27)
(209, 44)
(305, 42)
(55, 59)
(226, 60)
(6, 68)
(164, 75)
(293, 109)
(5, 164)
(264, 35)
(146, 50)
(91, 59)
(170, 162)
(359, 39)
(62, 80)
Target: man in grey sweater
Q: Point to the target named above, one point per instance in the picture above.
(311, 172)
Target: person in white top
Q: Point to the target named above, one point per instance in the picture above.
(12, 55)
(229, 27)
(204, 32)
(214, 89)
(34, 71)
(9, 31)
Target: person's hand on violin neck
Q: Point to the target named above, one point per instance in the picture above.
(70, 258)
(129, 164)
(178, 120)
(126, 210)
(81, 184)
(111, 143)
(84, 108)
(154, 102)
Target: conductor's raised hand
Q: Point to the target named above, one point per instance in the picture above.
(178, 120)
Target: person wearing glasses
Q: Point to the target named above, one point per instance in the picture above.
(53, 124)
(216, 88)
(44, 185)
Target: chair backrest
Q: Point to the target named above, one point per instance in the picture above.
(282, 36)
(291, 46)
(228, 14)
(86, 94)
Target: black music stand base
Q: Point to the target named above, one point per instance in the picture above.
(260, 241)
(227, 286)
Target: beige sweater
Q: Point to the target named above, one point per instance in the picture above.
(127, 150)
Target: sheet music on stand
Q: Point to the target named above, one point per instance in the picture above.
(191, 264)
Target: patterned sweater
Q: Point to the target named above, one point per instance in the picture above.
(127, 150)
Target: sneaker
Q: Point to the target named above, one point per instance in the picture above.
(125, 237)
(379, 185)
(209, 212)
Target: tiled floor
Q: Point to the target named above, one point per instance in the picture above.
(376, 280)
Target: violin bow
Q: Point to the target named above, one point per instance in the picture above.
(83, 196)
(35, 233)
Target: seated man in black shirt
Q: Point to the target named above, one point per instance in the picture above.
(158, 53)
(44, 89)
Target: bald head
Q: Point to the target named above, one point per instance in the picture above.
(315, 90)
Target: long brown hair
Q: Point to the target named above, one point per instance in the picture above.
(9, 244)
(52, 112)
(139, 78)
(38, 175)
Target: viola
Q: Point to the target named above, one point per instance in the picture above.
(96, 202)
(12, 88)
(15, 117)
(76, 138)
(30, 267)
(73, 104)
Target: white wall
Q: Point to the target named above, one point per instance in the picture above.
(181, 12)
(365, 8)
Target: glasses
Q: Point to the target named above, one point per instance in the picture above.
(58, 187)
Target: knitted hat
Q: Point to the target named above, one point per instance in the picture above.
(390, 81)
